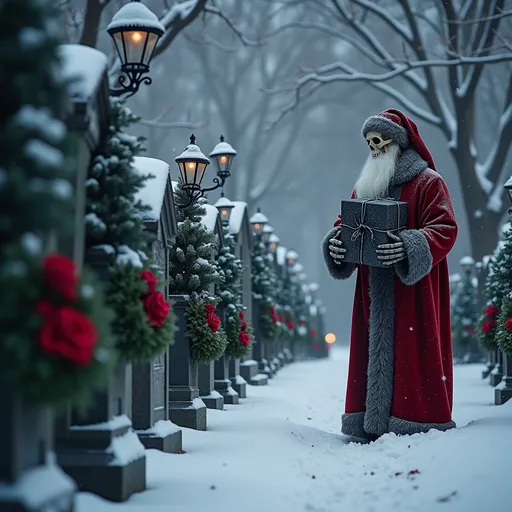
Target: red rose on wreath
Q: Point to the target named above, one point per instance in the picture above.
(241, 315)
(313, 333)
(290, 325)
(274, 318)
(243, 325)
(243, 339)
(272, 310)
(281, 318)
(213, 322)
(209, 308)
(151, 280)
(156, 308)
(508, 324)
(487, 326)
(68, 333)
(59, 274)
(492, 311)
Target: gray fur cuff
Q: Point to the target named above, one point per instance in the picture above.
(352, 425)
(419, 258)
(343, 271)
(404, 427)
(388, 129)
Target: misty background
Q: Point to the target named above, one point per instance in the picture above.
(234, 72)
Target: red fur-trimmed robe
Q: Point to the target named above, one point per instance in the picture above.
(400, 369)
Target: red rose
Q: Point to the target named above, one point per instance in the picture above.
(59, 275)
(156, 308)
(508, 324)
(281, 318)
(68, 333)
(241, 315)
(492, 311)
(316, 346)
(243, 339)
(209, 308)
(213, 322)
(272, 310)
(486, 326)
(151, 280)
(313, 333)
(243, 325)
(290, 325)
(274, 318)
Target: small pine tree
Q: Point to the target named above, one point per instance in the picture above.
(464, 315)
(192, 267)
(114, 216)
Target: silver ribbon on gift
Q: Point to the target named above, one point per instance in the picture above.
(360, 228)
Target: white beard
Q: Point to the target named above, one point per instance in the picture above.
(376, 174)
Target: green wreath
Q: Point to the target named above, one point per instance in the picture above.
(504, 329)
(143, 324)
(269, 322)
(55, 332)
(207, 338)
(486, 328)
(239, 345)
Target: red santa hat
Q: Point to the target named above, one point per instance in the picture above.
(394, 124)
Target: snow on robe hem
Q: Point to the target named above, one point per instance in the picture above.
(400, 366)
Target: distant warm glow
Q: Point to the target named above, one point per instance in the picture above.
(136, 37)
(291, 261)
(224, 213)
(273, 245)
(191, 165)
(223, 159)
(330, 338)
(257, 227)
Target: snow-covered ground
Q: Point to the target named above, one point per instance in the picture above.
(280, 451)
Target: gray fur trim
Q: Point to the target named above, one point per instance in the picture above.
(343, 271)
(352, 425)
(389, 130)
(379, 387)
(407, 167)
(405, 427)
(419, 258)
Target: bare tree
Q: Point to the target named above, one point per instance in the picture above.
(442, 49)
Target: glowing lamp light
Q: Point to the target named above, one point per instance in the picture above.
(192, 164)
(330, 338)
(223, 153)
(291, 258)
(274, 242)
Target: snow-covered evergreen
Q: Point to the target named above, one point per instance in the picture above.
(192, 266)
(464, 314)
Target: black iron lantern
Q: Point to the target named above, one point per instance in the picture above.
(258, 221)
(192, 164)
(135, 31)
(225, 207)
(224, 155)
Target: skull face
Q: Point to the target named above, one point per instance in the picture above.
(377, 144)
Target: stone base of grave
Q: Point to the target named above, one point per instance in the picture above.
(88, 456)
(214, 401)
(239, 384)
(288, 354)
(502, 393)
(188, 413)
(165, 436)
(277, 363)
(224, 387)
(49, 488)
(259, 380)
(265, 369)
(495, 378)
(249, 369)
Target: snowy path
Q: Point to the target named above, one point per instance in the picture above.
(280, 451)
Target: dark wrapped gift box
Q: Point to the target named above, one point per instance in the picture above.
(364, 227)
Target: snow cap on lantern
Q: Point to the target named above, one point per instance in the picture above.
(273, 242)
(258, 220)
(292, 257)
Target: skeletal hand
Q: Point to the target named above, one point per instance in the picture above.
(390, 254)
(336, 249)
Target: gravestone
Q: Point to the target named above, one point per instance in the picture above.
(186, 408)
(222, 383)
(238, 383)
(212, 398)
(150, 390)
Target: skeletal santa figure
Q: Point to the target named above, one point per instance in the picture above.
(400, 367)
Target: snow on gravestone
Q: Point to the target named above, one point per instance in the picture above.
(84, 67)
